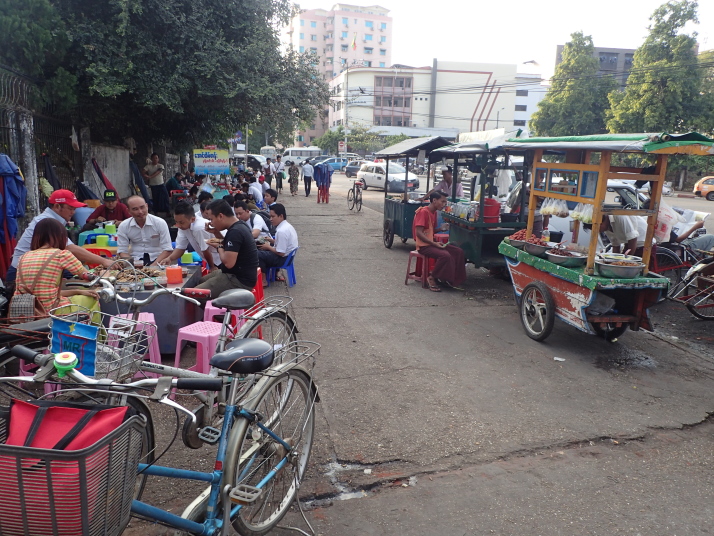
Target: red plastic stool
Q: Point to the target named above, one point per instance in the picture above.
(419, 274)
(258, 290)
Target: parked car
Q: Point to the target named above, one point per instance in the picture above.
(374, 175)
(336, 163)
(353, 167)
(705, 188)
(255, 161)
(645, 189)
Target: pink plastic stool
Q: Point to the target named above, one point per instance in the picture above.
(154, 352)
(205, 335)
(210, 312)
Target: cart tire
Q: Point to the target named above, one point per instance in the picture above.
(404, 240)
(388, 234)
(537, 310)
(609, 333)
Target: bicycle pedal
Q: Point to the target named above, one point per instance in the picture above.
(244, 494)
(209, 435)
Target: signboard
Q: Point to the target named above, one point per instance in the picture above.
(341, 147)
(213, 147)
(211, 161)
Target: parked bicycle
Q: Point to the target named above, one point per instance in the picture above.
(354, 195)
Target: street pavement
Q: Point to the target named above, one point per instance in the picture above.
(438, 415)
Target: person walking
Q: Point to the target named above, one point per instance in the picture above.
(293, 178)
(279, 173)
(307, 173)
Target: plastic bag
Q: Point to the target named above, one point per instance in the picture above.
(586, 215)
(666, 219)
(561, 209)
(547, 207)
(577, 211)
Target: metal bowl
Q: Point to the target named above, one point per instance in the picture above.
(517, 243)
(614, 257)
(538, 251)
(619, 272)
(568, 262)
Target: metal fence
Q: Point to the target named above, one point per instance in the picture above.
(54, 138)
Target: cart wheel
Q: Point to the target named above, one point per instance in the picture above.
(609, 332)
(404, 240)
(388, 234)
(537, 311)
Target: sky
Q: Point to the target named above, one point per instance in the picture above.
(516, 31)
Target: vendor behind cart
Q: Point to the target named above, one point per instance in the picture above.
(444, 185)
(626, 233)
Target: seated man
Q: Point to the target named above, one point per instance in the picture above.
(237, 252)
(111, 210)
(174, 183)
(256, 191)
(272, 253)
(143, 236)
(703, 242)
(270, 197)
(192, 231)
(255, 222)
(450, 268)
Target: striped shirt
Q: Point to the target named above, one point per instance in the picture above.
(46, 288)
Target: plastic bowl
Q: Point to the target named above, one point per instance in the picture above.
(535, 249)
(568, 262)
(619, 272)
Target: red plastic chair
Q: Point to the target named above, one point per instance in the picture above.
(101, 252)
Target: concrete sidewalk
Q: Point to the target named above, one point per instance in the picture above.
(440, 412)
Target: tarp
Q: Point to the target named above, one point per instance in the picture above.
(107, 183)
(139, 183)
(12, 208)
(412, 146)
(50, 174)
(83, 191)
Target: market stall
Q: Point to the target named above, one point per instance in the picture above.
(595, 292)
(399, 209)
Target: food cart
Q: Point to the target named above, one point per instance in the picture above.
(577, 169)
(399, 210)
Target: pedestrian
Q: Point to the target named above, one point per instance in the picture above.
(293, 178)
(279, 173)
(307, 173)
(268, 171)
(153, 174)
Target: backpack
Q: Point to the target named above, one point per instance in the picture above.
(266, 218)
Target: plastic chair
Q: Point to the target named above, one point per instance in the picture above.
(154, 353)
(288, 266)
(258, 290)
(419, 274)
(205, 335)
(101, 252)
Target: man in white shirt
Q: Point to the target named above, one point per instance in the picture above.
(255, 222)
(279, 173)
(192, 231)
(143, 236)
(626, 233)
(268, 171)
(307, 173)
(273, 252)
(256, 191)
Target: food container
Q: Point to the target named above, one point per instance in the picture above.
(517, 243)
(535, 249)
(569, 262)
(614, 257)
(187, 258)
(614, 271)
(184, 272)
(149, 284)
(173, 275)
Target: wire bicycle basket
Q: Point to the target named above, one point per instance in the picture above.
(106, 346)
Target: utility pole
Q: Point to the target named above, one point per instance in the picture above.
(347, 99)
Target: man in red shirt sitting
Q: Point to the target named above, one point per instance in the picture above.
(112, 210)
(450, 268)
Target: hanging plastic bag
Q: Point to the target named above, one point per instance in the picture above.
(577, 211)
(586, 215)
(666, 219)
(561, 209)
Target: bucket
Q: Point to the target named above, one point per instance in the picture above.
(491, 210)
(174, 275)
(556, 236)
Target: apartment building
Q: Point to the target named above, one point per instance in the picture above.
(344, 36)
(614, 61)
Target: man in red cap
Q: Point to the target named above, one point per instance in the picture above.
(62, 204)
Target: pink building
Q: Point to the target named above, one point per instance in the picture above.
(346, 35)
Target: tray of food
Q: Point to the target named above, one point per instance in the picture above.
(566, 258)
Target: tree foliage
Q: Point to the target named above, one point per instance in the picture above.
(328, 141)
(664, 87)
(577, 99)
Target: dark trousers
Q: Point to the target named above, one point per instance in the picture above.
(268, 259)
(160, 197)
(279, 181)
(450, 263)
(308, 185)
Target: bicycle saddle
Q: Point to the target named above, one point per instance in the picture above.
(244, 356)
(235, 299)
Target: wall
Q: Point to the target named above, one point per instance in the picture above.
(114, 161)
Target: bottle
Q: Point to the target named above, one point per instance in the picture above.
(545, 236)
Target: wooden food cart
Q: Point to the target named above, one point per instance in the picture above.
(580, 296)
(399, 210)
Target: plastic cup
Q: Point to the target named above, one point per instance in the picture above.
(187, 258)
(110, 228)
(102, 240)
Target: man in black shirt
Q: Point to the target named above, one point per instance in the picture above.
(239, 256)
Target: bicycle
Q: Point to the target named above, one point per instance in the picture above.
(354, 195)
(263, 446)
(674, 261)
(696, 289)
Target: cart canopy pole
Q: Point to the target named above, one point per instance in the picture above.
(386, 177)
(454, 177)
(405, 195)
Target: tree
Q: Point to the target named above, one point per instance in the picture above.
(663, 91)
(577, 99)
(328, 141)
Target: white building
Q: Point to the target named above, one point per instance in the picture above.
(529, 92)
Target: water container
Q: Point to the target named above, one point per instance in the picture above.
(491, 210)
(174, 275)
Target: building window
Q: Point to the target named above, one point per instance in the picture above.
(398, 102)
(519, 123)
(343, 61)
(313, 50)
(313, 24)
(344, 35)
(399, 82)
(313, 37)
(397, 121)
(383, 26)
(521, 93)
(407, 102)
(387, 81)
(368, 50)
(300, 138)
(302, 49)
(382, 64)
(343, 48)
(345, 21)
(378, 81)
(387, 102)
(367, 37)
(330, 60)
(302, 35)
(368, 64)
(312, 127)
(378, 101)
(382, 51)
(302, 22)
(377, 120)
(521, 107)
(328, 48)
(339, 122)
(386, 121)
(407, 82)
(368, 24)
(383, 39)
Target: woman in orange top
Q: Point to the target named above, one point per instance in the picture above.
(40, 269)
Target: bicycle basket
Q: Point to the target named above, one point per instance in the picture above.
(67, 493)
(106, 346)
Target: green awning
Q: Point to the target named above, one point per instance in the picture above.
(633, 142)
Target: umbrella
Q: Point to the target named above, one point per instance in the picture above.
(83, 191)
(50, 174)
(107, 183)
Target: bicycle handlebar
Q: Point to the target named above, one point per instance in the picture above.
(27, 354)
(111, 294)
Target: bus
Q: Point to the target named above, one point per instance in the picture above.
(300, 154)
(268, 151)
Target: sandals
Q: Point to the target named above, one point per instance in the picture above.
(433, 286)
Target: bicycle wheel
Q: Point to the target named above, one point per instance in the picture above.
(351, 199)
(701, 306)
(669, 265)
(286, 405)
(358, 199)
(277, 328)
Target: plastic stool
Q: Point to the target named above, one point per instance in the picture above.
(205, 335)
(419, 274)
(154, 352)
(258, 290)
(210, 312)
